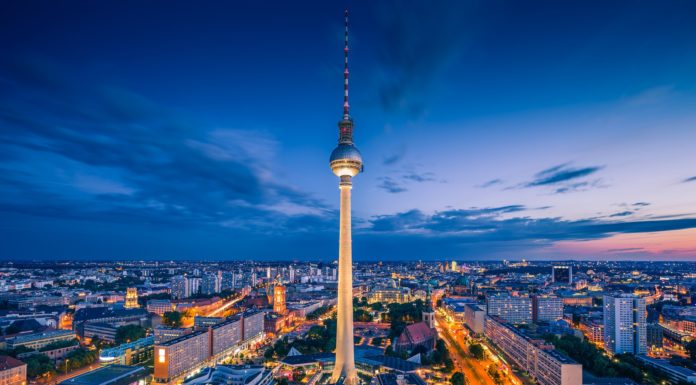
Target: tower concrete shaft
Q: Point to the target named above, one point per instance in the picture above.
(345, 358)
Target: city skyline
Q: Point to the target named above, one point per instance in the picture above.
(494, 131)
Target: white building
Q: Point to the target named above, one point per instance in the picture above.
(542, 362)
(474, 318)
(625, 324)
(547, 308)
(180, 287)
(515, 310)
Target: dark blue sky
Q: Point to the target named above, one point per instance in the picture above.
(489, 129)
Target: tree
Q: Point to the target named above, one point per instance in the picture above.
(128, 333)
(449, 365)
(81, 357)
(458, 379)
(476, 350)
(493, 372)
(172, 319)
(691, 348)
(361, 315)
(39, 365)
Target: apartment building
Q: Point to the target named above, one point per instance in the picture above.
(544, 364)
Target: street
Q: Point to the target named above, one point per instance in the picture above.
(474, 370)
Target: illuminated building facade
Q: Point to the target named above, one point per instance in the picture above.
(131, 298)
(515, 310)
(279, 294)
(546, 308)
(12, 371)
(177, 357)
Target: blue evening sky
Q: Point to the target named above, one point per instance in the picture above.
(489, 129)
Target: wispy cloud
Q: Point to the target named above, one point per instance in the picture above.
(692, 179)
(626, 250)
(564, 178)
(392, 159)
(560, 174)
(419, 177)
(492, 182)
(391, 186)
(404, 178)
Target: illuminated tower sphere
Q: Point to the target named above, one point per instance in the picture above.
(346, 163)
(131, 298)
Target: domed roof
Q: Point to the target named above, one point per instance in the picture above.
(346, 152)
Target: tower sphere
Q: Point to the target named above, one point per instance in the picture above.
(346, 160)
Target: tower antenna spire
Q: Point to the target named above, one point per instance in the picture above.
(346, 106)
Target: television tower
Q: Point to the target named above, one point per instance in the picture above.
(345, 162)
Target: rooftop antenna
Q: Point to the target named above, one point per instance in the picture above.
(346, 106)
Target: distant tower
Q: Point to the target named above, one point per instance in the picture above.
(428, 312)
(345, 162)
(279, 299)
(132, 298)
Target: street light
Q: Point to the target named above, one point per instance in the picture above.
(66, 365)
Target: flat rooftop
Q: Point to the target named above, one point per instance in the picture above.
(109, 375)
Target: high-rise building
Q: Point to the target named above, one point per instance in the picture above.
(194, 285)
(210, 284)
(131, 298)
(625, 324)
(546, 308)
(279, 299)
(180, 287)
(346, 162)
(514, 310)
(454, 265)
(227, 280)
(562, 274)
